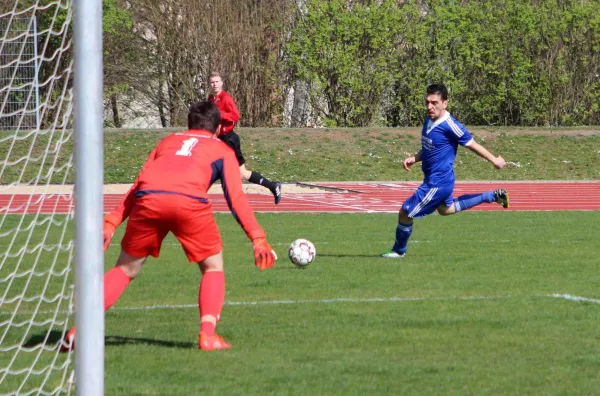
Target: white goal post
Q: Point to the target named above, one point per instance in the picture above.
(51, 138)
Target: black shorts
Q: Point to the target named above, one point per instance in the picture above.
(232, 139)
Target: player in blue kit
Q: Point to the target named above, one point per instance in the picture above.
(440, 138)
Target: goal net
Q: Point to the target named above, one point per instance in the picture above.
(36, 205)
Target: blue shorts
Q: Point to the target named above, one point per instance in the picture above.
(426, 200)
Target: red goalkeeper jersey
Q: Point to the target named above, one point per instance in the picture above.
(229, 112)
(188, 163)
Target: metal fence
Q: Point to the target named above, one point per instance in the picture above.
(19, 65)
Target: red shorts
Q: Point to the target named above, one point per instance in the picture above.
(191, 221)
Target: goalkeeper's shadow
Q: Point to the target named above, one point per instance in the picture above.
(51, 337)
(112, 340)
(54, 337)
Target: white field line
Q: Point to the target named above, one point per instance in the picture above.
(323, 301)
(360, 208)
(365, 300)
(574, 298)
(362, 300)
(567, 297)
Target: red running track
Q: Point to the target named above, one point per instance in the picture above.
(357, 197)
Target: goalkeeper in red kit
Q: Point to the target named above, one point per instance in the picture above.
(170, 194)
(229, 116)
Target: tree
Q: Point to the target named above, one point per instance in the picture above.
(121, 55)
(347, 50)
(185, 40)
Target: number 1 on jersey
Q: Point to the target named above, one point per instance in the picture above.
(186, 147)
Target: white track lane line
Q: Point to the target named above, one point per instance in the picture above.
(325, 204)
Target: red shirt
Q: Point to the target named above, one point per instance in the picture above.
(188, 163)
(229, 112)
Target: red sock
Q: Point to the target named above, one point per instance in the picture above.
(211, 298)
(115, 283)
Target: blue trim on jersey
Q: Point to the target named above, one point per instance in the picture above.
(426, 200)
(219, 173)
(143, 193)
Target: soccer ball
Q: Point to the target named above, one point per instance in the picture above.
(302, 252)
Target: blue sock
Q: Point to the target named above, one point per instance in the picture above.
(467, 201)
(403, 232)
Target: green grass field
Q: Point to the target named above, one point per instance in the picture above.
(468, 311)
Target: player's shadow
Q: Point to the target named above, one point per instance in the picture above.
(120, 340)
(346, 255)
(52, 337)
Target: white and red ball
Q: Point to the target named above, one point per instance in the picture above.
(302, 252)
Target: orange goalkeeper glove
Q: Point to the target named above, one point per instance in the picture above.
(264, 255)
(107, 233)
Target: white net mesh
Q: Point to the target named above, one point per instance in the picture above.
(36, 211)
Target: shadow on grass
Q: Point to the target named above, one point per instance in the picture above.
(119, 340)
(285, 267)
(49, 338)
(53, 337)
(347, 255)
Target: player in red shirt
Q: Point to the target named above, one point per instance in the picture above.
(170, 194)
(229, 116)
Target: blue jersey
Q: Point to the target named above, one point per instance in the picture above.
(440, 140)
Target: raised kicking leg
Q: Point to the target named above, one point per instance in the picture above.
(468, 201)
(426, 200)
